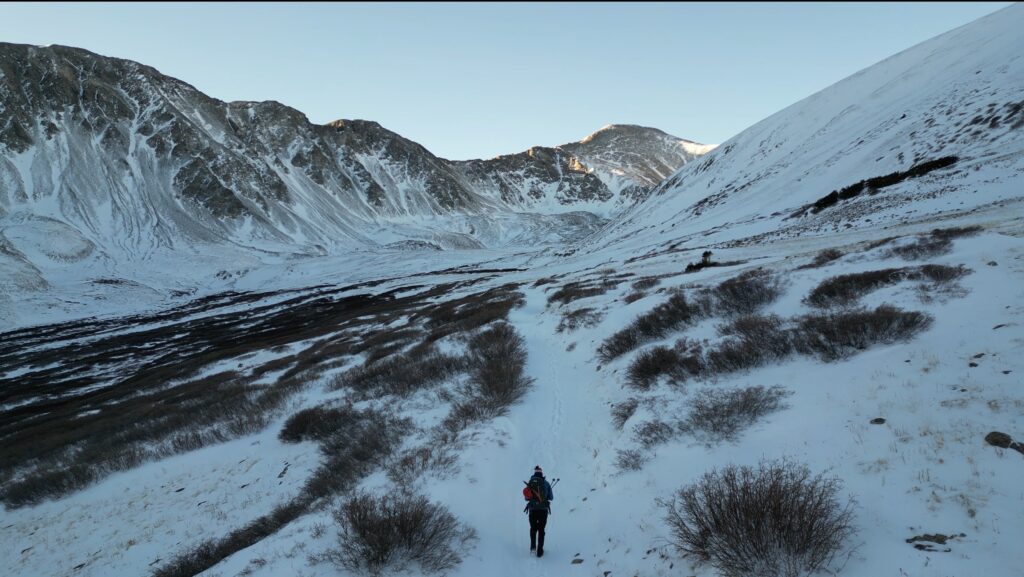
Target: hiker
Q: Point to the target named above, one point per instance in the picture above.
(539, 496)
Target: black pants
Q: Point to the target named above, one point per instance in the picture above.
(538, 519)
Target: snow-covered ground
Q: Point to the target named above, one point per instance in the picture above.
(926, 470)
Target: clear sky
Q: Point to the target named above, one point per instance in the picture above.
(478, 80)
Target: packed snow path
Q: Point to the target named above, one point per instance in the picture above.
(559, 427)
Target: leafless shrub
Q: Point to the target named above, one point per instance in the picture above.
(630, 459)
(316, 424)
(379, 343)
(654, 324)
(747, 293)
(463, 414)
(621, 412)
(956, 231)
(721, 414)
(50, 483)
(823, 258)
(880, 242)
(384, 351)
(395, 530)
(645, 283)
(733, 355)
(214, 551)
(653, 433)
(847, 289)
(585, 317)
(412, 464)
(756, 327)
(923, 247)
(766, 333)
(837, 335)
(633, 297)
(683, 360)
(498, 366)
(497, 378)
(778, 519)
(691, 359)
(401, 375)
(619, 344)
(941, 282)
(192, 415)
(758, 340)
(938, 242)
(600, 282)
(469, 313)
(565, 296)
(365, 443)
(650, 364)
(139, 387)
(938, 273)
(576, 290)
(136, 389)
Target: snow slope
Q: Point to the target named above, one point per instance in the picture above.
(958, 94)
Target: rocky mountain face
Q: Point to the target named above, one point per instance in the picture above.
(605, 172)
(645, 156)
(114, 155)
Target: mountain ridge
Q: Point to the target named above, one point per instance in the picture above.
(261, 161)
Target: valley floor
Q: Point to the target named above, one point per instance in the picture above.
(925, 470)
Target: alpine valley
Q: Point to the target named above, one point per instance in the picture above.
(221, 325)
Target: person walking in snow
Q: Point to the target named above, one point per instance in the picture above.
(538, 495)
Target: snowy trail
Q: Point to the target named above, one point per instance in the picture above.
(553, 427)
(564, 436)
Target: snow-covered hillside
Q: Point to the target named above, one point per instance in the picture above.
(885, 341)
(958, 95)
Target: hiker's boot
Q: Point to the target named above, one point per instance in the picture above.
(540, 552)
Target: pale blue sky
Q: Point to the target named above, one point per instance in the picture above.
(477, 80)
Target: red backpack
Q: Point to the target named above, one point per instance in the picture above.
(534, 490)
